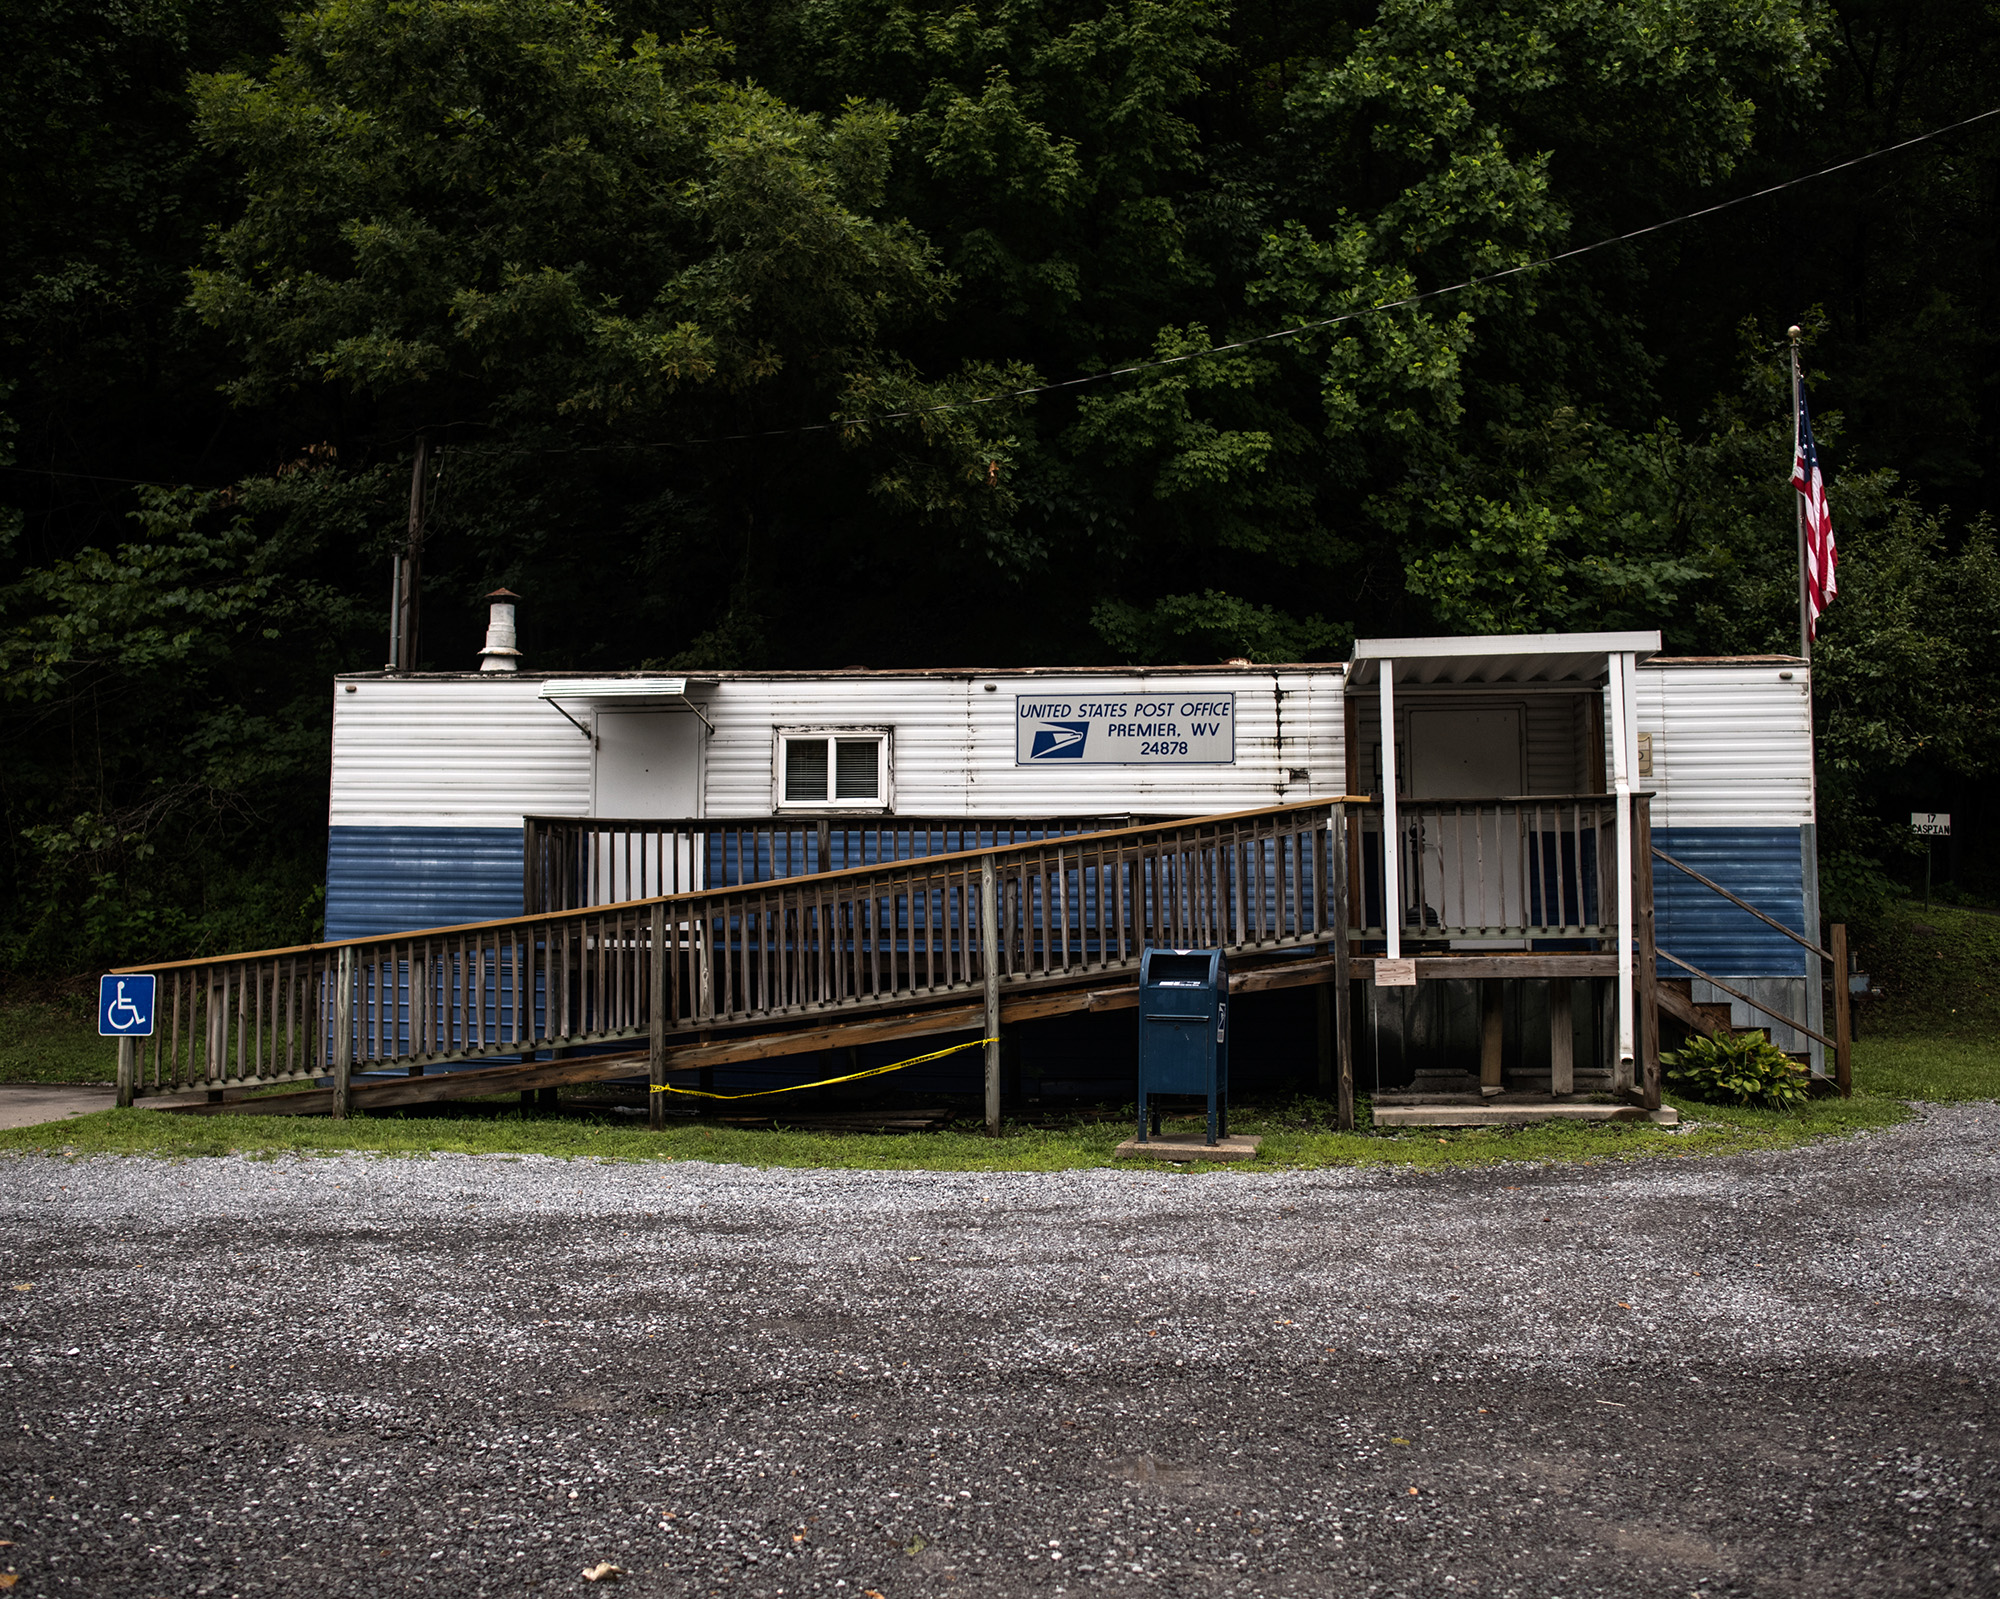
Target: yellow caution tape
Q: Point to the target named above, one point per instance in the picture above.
(827, 1082)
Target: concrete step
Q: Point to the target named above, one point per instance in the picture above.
(1190, 1146)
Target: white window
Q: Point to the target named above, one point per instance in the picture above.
(831, 768)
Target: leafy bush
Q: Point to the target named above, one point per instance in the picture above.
(1738, 1069)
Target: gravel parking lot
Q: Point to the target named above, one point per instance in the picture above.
(1767, 1375)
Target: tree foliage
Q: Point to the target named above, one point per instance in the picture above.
(813, 332)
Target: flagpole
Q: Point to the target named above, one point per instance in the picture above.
(1799, 505)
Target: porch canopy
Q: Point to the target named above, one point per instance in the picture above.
(1514, 661)
(1505, 658)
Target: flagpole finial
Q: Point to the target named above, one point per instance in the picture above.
(1793, 332)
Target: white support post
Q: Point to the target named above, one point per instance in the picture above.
(1392, 888)
(1624, 757)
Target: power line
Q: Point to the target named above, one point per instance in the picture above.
(100, 477)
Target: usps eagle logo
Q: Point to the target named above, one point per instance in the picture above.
(1060, 741)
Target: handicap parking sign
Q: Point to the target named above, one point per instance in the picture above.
(125, 1005)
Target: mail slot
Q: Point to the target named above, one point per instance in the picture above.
(1184, 1033)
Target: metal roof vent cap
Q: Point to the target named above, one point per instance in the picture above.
(499, 655)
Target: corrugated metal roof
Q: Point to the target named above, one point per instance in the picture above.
(1728, 660)
(1496, 658)
(622, 689)
(815, 674)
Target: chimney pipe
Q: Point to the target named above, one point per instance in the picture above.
(499, 655)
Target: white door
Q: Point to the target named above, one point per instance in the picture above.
(648, 764)
(1467, 867)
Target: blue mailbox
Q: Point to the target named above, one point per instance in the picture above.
(1184, 1032)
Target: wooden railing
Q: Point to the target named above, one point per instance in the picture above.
(1049, 911)
(1496, 869)
(572, 863)
(1044, 913)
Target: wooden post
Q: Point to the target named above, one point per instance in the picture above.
(128, 1061)
(215, 1058)
(1492, 1023)
(1646, 976)
(704, 973)
(656, 1023)
(1323, 992)
(531, 861)
(1562, 1037)
(1343, 989)
(989, 961)
(343, 1031)
(1843, 1027)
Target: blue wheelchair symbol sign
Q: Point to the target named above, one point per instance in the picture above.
(125, 1006)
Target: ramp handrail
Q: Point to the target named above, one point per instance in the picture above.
(1062, 910)
(848, 941)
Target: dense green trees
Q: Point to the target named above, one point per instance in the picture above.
(689, 301)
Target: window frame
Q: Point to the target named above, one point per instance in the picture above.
(885, 739)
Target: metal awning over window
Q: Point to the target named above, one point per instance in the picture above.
(626, 691)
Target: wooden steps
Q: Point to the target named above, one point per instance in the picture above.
(1510, 1110)
(1676, 997)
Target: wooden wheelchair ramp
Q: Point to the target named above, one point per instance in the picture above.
(935, 945)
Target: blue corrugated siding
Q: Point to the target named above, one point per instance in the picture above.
(794, 852)
(396, 879)
(1765, 865)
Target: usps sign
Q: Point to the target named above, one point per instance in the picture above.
(1126, 730)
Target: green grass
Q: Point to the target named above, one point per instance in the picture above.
(1937, 1069)
(1936, 972)
(53, 1039)
(1293, 1138)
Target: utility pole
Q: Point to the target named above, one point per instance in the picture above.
(408, 583)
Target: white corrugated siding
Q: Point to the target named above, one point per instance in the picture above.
(954, 743)
(1732, 745)
(483, 752)
(415, 752)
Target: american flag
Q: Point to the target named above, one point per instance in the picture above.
(1821, 557)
